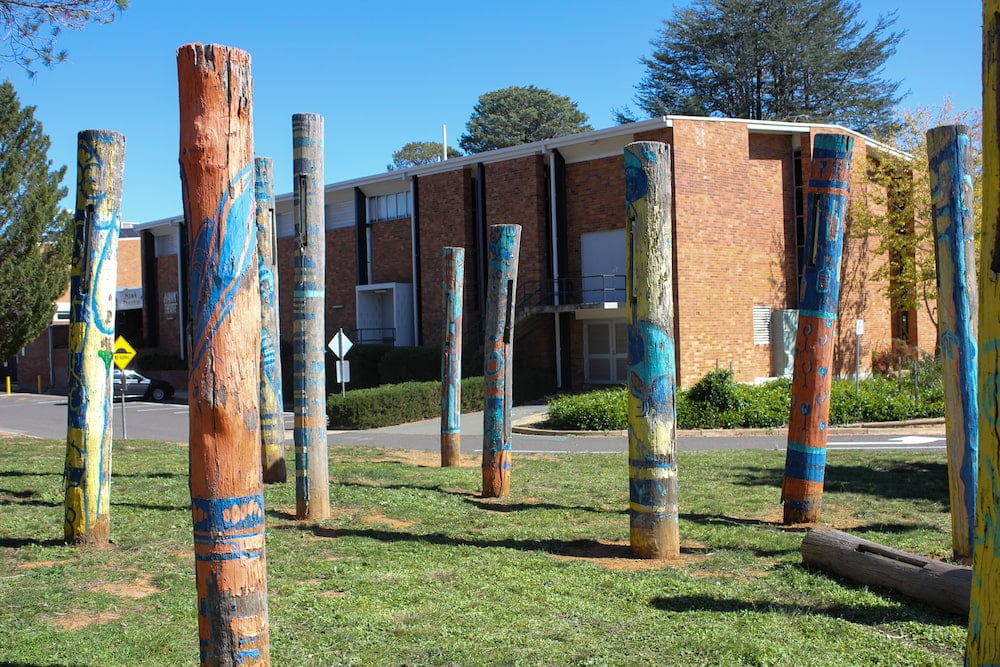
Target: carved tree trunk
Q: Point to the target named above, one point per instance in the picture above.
(453, 270)
(805, 457)
(93, 283)
(652, 377)
(227, 502)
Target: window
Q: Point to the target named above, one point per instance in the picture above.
(389, 207)
(605, 344)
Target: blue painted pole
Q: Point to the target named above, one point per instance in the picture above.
(503, 249)
(812, 374)
(949, 151)
(312, 475)
(272, 419)
(93, 283)
(453, 270)
(652, 377)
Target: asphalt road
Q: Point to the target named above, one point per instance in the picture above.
(42, 415)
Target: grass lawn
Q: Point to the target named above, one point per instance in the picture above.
(414, 568)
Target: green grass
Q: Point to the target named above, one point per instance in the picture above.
(414, 568)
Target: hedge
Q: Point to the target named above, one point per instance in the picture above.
(396, 404)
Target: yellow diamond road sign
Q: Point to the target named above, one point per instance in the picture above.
(123, 352)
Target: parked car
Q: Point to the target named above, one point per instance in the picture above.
(139, 385)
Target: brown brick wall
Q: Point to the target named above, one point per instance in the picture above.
(166, 280)
(516, 193)
(130, 262)
(392, 251)
(447, 217)
(733, 215)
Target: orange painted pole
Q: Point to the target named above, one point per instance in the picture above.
(94, 278)
(227, 503)
(649, 308)
(503, 248)
(812, 376)
(272, 418)
(453, 269)
(983, 645)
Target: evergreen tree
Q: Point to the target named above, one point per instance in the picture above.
(419, 152)
(30, 27)
(794, 60)
(519, 115)
(35, 237)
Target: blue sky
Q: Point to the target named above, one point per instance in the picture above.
(386, 73)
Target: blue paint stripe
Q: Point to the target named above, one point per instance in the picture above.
(805, 463)
(648, 492)
(308, 294)
(214, 512)
(819, 314)
(803, 505)
(825, 184)
(652, 462)
(218, 558)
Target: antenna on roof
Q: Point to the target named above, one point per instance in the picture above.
(444, 142)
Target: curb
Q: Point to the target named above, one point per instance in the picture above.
(525, 427)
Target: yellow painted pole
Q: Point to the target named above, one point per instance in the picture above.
(93, 279)
(8, 384)
(983, 646)
(652, 372)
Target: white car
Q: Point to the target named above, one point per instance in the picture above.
(137, 384)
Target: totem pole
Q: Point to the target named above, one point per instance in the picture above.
(272, 419)
(949, 151)
(503, 248)
(312, 475)
(649, 309)
(227, 502)
(93, 282)
(983, 647)
(805, 457)
(451, 356)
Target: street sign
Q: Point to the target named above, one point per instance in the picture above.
(340, 344)
(343, 371)
(124, 353)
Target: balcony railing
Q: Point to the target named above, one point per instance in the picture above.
(375, 336)
(535, 295)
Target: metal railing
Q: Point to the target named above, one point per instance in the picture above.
(375, 336)
(573, 290)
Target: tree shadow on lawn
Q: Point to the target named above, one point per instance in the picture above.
(24, 498)
(473, 498)
(591, 549)
(903, 480)
(18, 542)
(901, 609)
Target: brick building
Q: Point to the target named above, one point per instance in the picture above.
(44, 362)
(738, 199)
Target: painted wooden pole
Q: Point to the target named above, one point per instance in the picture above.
(453, 270)
(983, 646)
(312, 482)
(805, 457)
(227, 502)
(949, 151)
(649, 310)
(272, 419)
(503, 248)
(93, 283)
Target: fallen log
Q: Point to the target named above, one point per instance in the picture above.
(930, 581)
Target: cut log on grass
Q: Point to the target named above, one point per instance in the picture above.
(930, 581)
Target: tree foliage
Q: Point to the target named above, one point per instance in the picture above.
(35, 237)
(519, 115)
(30, 27)
(893, 204)
(419, 152)
(793, 60)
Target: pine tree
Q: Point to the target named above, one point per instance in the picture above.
(520, 115)
(35, 237)
(794, 60)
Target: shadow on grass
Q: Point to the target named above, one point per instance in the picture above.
(473, 498)
(21, 473)
(24, 498)
(905, 480)
(575, 548)
(18, 542)
(862, 614)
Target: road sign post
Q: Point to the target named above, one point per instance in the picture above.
(340, 345)
(123, 356)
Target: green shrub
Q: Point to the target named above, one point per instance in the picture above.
(603, 410)
(717, 389)
(392, 404)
